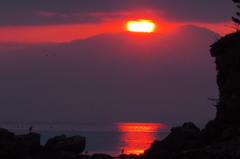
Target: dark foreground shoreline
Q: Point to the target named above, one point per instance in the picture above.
(27, 146)
(184, 142)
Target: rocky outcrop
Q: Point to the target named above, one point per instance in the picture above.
(29, 140)
(220, 139)
(8, 146)
(227, 58)
(101, 156)
(74, 144)
(227, 54)
(14, 146)
(183, 138)
(222, 150)
(28, 146)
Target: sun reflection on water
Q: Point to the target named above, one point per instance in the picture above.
(137, 137)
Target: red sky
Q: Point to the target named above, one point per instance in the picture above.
(63, 33)
(43, 22)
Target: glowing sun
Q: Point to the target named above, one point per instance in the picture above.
(141, 26)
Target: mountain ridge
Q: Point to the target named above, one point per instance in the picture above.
(184, 28)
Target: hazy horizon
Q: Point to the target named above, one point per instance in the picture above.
(74, 61)
(120, 77)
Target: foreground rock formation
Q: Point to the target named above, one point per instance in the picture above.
(28, 146)
(227, 54)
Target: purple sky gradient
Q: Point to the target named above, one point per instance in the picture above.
(49, 12)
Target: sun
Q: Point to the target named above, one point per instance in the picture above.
(141, 26)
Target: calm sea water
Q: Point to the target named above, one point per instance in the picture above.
(109, 138)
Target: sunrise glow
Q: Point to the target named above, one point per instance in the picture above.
(141, 26)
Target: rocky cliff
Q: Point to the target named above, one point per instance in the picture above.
(227, 54)
(220, 139)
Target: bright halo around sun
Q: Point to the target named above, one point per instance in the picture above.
(141, 26)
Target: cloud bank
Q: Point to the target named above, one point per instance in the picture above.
(50, 12)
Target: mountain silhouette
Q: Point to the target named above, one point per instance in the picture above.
(119, 77)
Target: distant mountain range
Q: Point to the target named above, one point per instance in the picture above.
(119, 77)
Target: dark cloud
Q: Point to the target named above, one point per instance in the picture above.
(27, 12)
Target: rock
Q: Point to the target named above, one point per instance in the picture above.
(228, 149)
(131, 156)
(28, 146)
(159, 153)
(12, 146)
(30, 140)
(101, 156)
(220, 139)
(75, 144)
(190, 126)
(84, 156)
(182, 138)
(7, 142)
(186, 137)
(59, 155)
(229, 134)
(8, 149)
(6, 135)
(227, 58)
(53, 144)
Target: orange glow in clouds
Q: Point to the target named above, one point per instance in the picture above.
(141, 26)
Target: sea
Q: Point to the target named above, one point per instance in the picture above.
(101, 137)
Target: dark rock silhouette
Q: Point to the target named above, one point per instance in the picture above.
(102, 156)
(8, 146)
(227, 54)
(220, 139)
(186, 137)
(28, 146)
(74, 144)
(29, 143)
(181, 138)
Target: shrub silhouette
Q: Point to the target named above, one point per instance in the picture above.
(236, 20)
